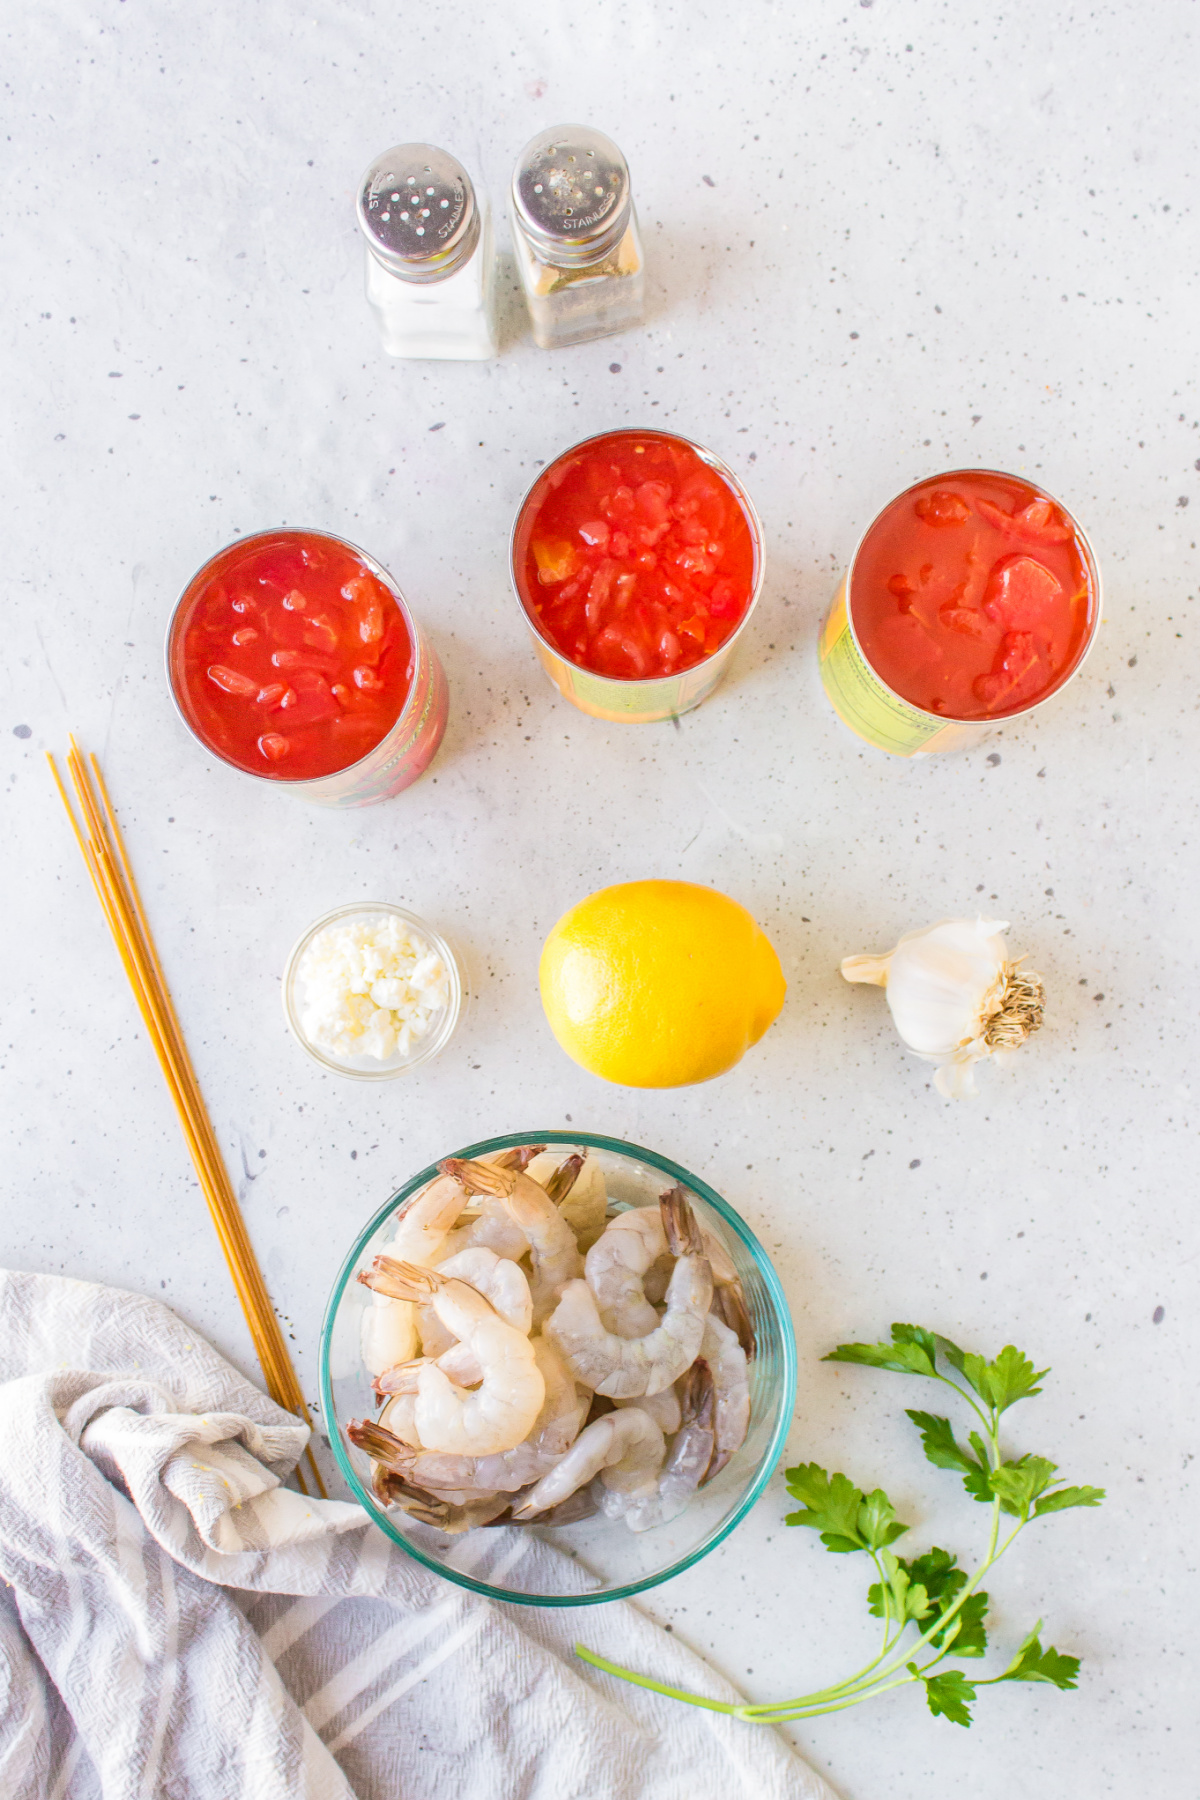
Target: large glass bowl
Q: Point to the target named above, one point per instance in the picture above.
(596, 1559)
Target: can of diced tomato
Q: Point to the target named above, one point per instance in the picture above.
(972, 599)
(292, 655)
(637, 560)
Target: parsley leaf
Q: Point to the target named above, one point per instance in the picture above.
(1032, 1663)
(912, 1351)
(1001, 1383)
(1062, 1498)
(925, 1588)
(1018, 1484)
(945, 1452)
(948, 1694)
(846, 1518)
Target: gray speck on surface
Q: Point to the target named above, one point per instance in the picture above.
(22, 731)
(993, 759)
(708, 181)
(440, 426)
(1159, 1313)
(915, 1163)
(614, 368)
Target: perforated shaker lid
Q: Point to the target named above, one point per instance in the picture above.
(571, 193)
(416, 206)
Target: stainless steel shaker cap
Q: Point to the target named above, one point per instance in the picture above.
(417, 209)
(571, 194)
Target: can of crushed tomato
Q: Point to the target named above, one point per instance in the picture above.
(972, 599)
(637, 561)
(293, 656)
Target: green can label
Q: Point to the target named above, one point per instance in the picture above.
(871, 710)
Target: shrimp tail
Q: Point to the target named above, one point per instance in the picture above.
(402, 1378)
(730, 1308)
(380, 1444)
(519, 1158)
(564, 1179)
(579, 1505)
(697, 1396)
(480, 1178)
(684, 1237)
(400, 1280)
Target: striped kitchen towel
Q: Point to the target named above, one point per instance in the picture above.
(176, 1623)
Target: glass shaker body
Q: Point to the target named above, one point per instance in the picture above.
(578, 246)
(431, 266)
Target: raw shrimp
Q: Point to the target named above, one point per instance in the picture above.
(491, 1226)
(686, 1463)
(392, 1489)
(663, 1408)
(729, 1299)
(389, 1331)
(627, 1444)
(552, 1434)
(731, 1383)
(397, 1417)
(577, 1188)
(579, 1505)
(730, 1307)
(617, 1262)
(552, 1245)
(459, 1362)
(498, 1279)
(498, 1414)
(626, 1368)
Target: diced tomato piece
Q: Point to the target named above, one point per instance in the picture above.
(943, 507)
(366, 679)
(652, 502)
(295, 601)
(1020, 593)
(1020, 675)
(595, 532)
(247, 635)
(617, 506)
(557, 560)
(273, 746)
(232, 681)
(723, 601)
(271, 694)
(964, 619)
(1038, 523)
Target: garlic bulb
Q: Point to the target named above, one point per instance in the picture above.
(955, 997)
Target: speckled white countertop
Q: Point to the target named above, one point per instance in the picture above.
(882, 239)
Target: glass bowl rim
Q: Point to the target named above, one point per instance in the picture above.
(437, 941)
(771, 1455)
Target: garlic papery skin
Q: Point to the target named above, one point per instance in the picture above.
(955, 996)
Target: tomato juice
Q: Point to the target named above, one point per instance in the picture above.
(972, 596)
(634, 558)
(289, 657)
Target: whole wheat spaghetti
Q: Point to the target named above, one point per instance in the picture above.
(103, 850)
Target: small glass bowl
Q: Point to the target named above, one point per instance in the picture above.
(369, 1068)
(601, 1559)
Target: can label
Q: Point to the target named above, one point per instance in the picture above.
(870, 709)
(407, 750)
(632, 702)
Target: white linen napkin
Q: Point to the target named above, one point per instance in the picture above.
(177, 1623)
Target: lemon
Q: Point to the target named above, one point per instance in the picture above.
(659, 983)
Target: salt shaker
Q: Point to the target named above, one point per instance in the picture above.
(431, 266)
(579, 251)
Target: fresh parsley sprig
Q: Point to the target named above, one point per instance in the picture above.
(929, 1595)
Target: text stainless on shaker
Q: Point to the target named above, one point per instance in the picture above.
(579, 251)
(430, 255)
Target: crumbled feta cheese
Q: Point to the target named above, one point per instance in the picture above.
(370, 987)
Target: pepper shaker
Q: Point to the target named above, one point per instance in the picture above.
(431, 274)
(579, 250)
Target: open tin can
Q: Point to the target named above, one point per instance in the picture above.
(604, 696)
(860, 695)
(408, 745)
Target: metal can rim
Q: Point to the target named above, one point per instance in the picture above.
(727, 475)
(991, 721)
(303, 783)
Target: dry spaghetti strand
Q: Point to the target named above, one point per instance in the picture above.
(103, 850)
